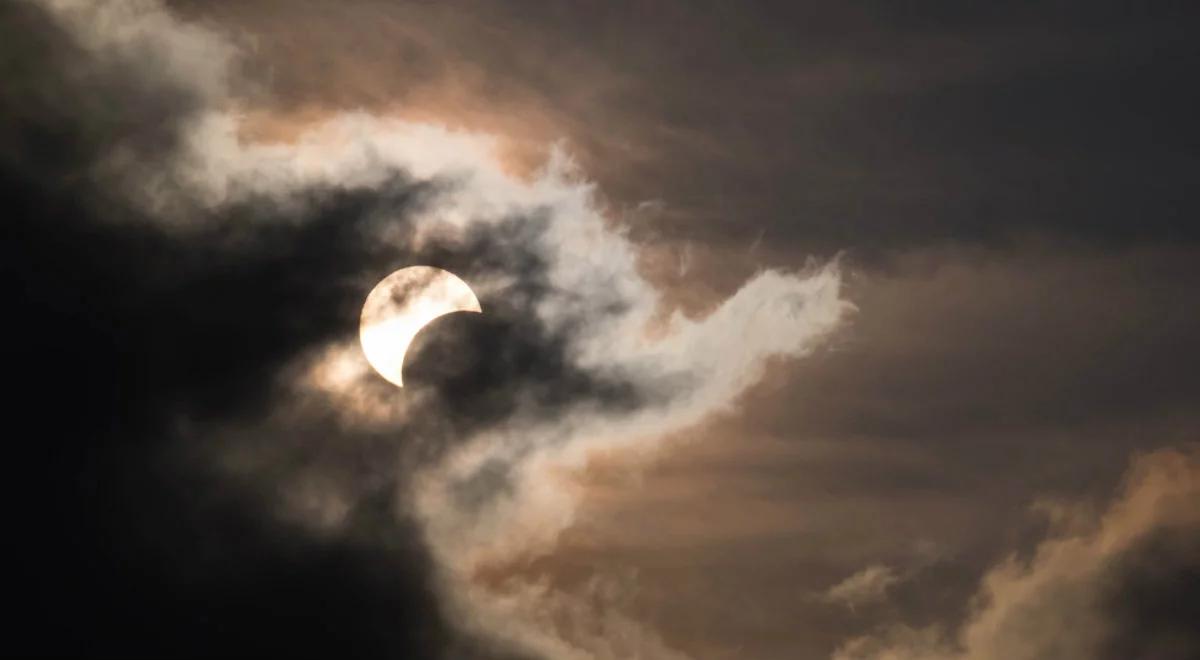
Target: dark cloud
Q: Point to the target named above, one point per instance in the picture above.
(133, 342)
(1013, 187)
(489, 364)
(1152, 598)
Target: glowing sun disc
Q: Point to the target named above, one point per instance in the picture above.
(400, 305)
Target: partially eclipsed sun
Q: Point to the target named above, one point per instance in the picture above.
(399, 306)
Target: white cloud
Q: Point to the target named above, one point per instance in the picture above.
(869, 585)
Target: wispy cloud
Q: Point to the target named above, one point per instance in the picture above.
(870, 585)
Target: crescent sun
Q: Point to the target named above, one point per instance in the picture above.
(400, 305)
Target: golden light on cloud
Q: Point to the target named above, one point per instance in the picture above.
(400, 305)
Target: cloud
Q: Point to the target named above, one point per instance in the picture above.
(262, 252)
(867, 586)
(1099, 588)
(966, 123)
(192, 242)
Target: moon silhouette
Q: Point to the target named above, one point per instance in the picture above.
(400, 305)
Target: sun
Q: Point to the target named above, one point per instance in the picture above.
(400, 305)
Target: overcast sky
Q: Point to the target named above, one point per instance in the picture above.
(832, 330)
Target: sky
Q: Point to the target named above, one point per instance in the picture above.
(846, 331)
